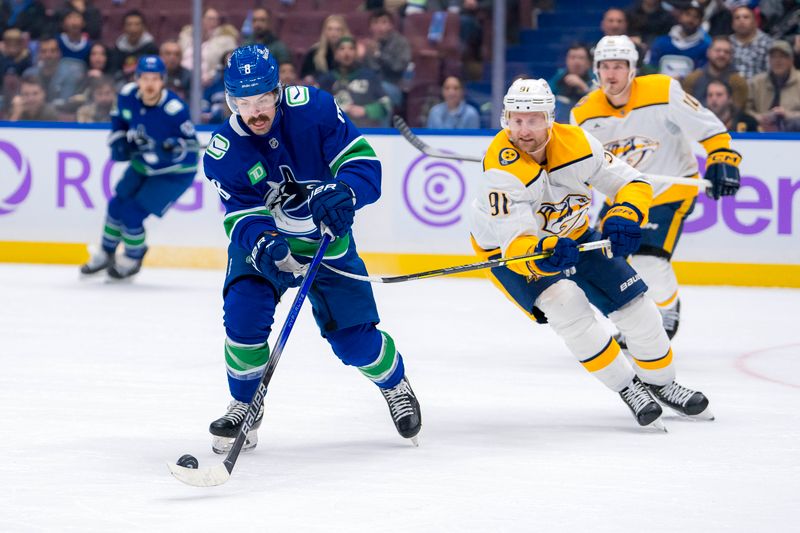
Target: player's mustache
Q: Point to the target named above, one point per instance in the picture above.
(260, 118)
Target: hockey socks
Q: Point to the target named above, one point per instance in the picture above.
(387, 369)
(245, 364)
(112, 235)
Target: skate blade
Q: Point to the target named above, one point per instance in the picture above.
(415, 441)
(657, 424)
(705, 416)
(222, 445)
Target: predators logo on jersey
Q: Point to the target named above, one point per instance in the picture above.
(634, 150)
(565, 216)
(508, 156)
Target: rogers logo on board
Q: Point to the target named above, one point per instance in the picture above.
(15, 177)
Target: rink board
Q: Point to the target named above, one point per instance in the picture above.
(55, 182)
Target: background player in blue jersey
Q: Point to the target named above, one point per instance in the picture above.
(151, 128)
(286, 163)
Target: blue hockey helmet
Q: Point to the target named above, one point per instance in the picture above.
(251, 70)
(151, 64)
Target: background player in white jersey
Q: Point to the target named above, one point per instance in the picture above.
(649, 122)
(535, 196)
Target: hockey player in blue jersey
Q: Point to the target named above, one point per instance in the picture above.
(150, 128)
(287, 163)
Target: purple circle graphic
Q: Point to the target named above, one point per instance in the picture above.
(23, 175)
(434, 191)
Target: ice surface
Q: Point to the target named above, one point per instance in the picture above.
(101, 384)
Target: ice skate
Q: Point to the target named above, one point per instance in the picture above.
(641, 403)
(225, 429)
(98, 262)
(125, 267)
(404, 408)
(671, 318)
(687, 402)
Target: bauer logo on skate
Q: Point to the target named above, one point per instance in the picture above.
(16, 177)
(434, 191)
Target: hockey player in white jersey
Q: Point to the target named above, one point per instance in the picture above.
(649, 122)
(534, 196)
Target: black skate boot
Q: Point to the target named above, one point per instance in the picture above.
(641, 403)
(682, 400)
(225, 429)
(99, 261)
(404, 407)
(125, 267)
(671, 318)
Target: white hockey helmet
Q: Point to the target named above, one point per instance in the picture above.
(529, 96)
(618, 47)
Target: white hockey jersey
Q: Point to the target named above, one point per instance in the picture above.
(653, 131)
(521, 200)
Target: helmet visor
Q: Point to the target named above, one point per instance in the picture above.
(253, 105)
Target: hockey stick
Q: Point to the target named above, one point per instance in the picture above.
(605, 245)
(430, 151)
(217, 475)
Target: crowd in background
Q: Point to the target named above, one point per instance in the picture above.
(738, 57)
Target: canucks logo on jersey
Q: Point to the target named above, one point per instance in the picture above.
(634, 150)
(565, 216)
(288, 203)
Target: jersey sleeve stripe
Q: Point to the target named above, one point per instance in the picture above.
(358, 149)
(234, 217)
(533, 179)
(578, 160)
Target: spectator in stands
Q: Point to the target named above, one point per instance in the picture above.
(98, 68)
(31, 104)
(750, 45)
(288, 74)
(454, 113)
(615, 22)
(16, 58)
(101, 102)
(718, 68)
(262, 34)
(62, 77)
(387, 52)
(684, 48)
(719, 100)
(72, 40)
(214, 107)
(356, 88)
(91, 16)
(99, 61)
(648, 19)
(26, 15)
(134, 42)
(319, 58)
(218, 38)
(178, 78)
(717, 18)
(774, 96)
(572, 82)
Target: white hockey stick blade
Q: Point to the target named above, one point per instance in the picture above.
(200, 477)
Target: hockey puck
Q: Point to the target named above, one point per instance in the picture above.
(188, 461)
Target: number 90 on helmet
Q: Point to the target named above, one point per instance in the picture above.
(251, 70)
(529, 96)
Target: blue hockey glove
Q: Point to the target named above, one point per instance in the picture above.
(271, 257)
(171, 148)
(121, 149)
(621, 226)
(722, 170)
(333, 205)
(565, 255)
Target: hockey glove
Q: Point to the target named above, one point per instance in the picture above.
(121, 149)
(621, 226)
(172, 148)
(271, 257)
(722, 170)
(565, 255)
(333, 205)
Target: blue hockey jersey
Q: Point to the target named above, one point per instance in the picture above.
(149, 126)
(263, 180)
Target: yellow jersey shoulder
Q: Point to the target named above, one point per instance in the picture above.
(593, 105)
(503, 155)
(568, 144)
(652, 89)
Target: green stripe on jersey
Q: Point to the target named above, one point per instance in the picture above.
(233, 218)
(306, 248)
(358, 149)
(244, 359)
(386, 362)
